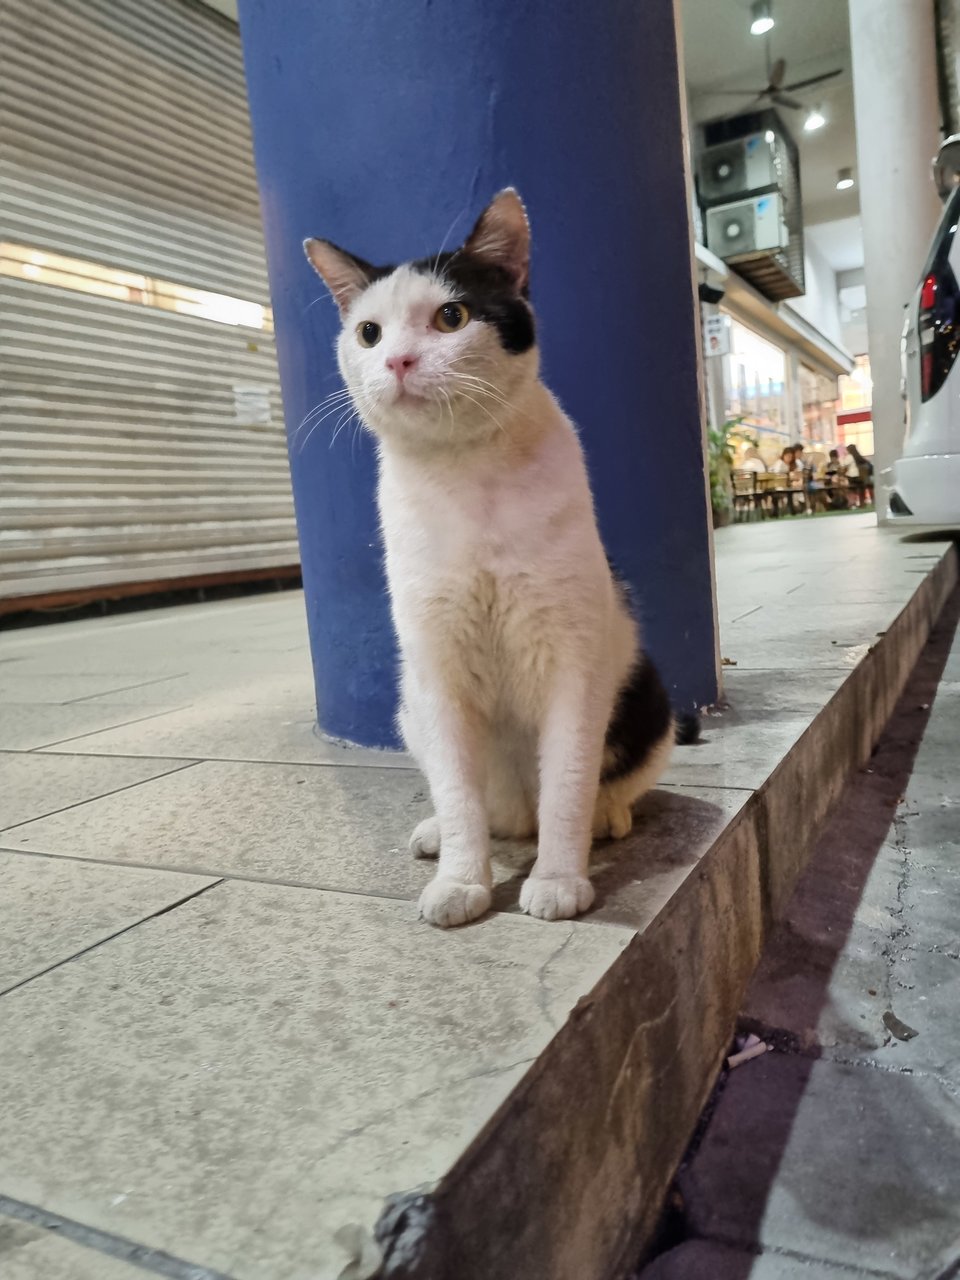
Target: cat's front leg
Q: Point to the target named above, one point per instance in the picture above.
(571, 752)
(451, 749)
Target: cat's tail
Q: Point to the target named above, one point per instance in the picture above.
(687, 727)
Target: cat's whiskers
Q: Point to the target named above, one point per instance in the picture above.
(333, 401)
(329, 405)
(336, 408)
(337, 394)
(482, 387)
(353, 439)
(342, 422)
(487, 388)
(493, 418)
(490, 387)
(443, 242)
(449, 406)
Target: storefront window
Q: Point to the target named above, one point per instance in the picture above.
(856, 388)
(855, 420)
(818, 396)
(755, 388)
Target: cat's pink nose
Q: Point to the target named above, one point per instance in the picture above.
(401, 365)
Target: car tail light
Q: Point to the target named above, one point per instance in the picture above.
(938, 328)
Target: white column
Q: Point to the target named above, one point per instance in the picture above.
(898, 132)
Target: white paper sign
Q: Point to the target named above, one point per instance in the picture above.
(716, 336)
(251, 404)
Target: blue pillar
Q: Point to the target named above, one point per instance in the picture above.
(386, 126)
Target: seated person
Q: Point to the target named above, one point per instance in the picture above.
(751, 460)
(863, 482)
(836, 473)
(786, 463)
(834, 466)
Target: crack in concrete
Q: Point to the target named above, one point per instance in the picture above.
(890, 950)
(933, 949)
(381, 1116)
(543, 990)
(755, 1250)
(788, 1043)
(794, 1255)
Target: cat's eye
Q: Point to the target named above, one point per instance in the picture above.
(368, 333)
(451, 317)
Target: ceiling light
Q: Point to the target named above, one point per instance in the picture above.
(844, 179)
(761, 19)
(815, 120)
(769, 136)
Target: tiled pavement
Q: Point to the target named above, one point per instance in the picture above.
(224, 1035)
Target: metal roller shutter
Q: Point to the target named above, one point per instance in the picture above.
(142, 433)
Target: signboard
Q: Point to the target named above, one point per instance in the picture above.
(251, 404)
(716, 335)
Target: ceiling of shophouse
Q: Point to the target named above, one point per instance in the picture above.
(813, 36)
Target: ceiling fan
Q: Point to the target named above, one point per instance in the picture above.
(776, 91)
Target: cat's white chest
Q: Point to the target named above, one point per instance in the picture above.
(494, 576)
(458, 524)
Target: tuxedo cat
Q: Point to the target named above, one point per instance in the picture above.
(526, 697)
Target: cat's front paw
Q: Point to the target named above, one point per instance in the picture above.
(446, 902)
(555, 897)
(425, 841)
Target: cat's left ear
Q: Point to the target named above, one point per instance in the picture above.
(502, 236)
(344, 275)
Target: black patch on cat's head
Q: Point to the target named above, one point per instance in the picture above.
(491, 294)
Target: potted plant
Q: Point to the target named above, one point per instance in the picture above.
(720, 458)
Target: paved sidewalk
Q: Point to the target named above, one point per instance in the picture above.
(838, 1154)
(226, 1042)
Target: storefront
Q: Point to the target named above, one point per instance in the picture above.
(754, 387)
(769, 369)
(818, 402)
(855, 417)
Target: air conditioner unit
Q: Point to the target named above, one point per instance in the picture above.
(747, 226)
(737, 167)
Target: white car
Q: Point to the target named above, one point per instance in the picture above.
(925, 485)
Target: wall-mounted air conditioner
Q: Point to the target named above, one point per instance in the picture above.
(756, 225)
(738, 167)
(748, 185)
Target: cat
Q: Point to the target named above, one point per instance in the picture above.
(526, 698)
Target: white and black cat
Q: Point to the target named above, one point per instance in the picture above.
(526, 698)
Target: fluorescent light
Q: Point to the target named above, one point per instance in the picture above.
(844, 179)
(815, 120)
(761, 19)
(769, 136)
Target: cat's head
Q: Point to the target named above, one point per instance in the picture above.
(435, 352)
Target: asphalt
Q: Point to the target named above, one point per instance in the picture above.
(837, 1153)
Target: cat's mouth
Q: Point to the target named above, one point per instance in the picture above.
(404, 394)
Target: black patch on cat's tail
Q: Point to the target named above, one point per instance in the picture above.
(640, 719)
(688, 728)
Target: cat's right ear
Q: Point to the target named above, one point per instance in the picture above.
(502, 236)
(344, 275)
